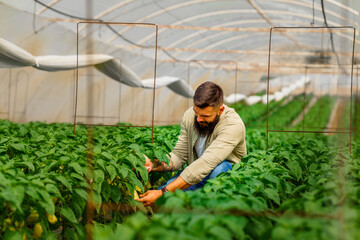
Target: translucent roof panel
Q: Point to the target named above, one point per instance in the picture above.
(194, 29)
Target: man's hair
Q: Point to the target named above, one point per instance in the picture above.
(208, 94)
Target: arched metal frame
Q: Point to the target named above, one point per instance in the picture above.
(77, 72)
(280, 13)
(265, 15)
(331, 68)
(284, 29)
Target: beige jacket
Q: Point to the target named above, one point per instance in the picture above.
(226, 142)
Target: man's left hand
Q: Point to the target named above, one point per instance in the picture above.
(149, 197)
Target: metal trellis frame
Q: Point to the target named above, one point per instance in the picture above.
(309, 29)
(303, 120)
(77, 72)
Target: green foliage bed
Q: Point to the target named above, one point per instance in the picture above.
(295, 190)
(300, 188)
(44, 170)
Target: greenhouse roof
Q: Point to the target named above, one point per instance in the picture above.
(197, 29)
(236, 44)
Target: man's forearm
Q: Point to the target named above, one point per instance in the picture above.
(178, 183)
(161, 166)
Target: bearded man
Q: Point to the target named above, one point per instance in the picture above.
(211, 140)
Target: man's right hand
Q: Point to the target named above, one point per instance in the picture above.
(149, 165)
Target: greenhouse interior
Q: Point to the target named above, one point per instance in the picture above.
(102, 121)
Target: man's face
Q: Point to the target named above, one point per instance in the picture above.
(207, 118)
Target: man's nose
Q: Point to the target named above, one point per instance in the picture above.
(199, 119)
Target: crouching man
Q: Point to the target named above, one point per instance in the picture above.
(211, 140)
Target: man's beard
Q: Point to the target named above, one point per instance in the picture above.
(207, 128)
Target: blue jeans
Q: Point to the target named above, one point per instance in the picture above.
(224, 166)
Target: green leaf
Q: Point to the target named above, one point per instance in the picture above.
(68, 214)
(271, 178)
(135, 182)
(322, 180)
(97, 186)
(97, 149)
(220, 232)
(64, 181)
(98, 176)
(236, 204)
(258, 204)
(29, 165)
(236, 224)
(51, 188)
(237, 166)
(272, 194)
(12, 235)
(32, 192)
(143, 173)
(77, 176)
(18, 146)
(46, 202)
(135, 147)
(280, 232)
(159, 154)
(80, 231)
(97, 200)
(294, 168)
(82, 193)
(70, 234)
(132, 160)
(77, 168)
(107, 155)
(78, 205)
(168, 145)
(40, 138)
(38, 182)
(112, 172)
(123, 171)
(101, 163)
(50, 166)
(14, 195)
(115, 194)
(126, 232)
(105, 190)
(3, 140)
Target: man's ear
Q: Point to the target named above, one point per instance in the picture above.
(221, 109)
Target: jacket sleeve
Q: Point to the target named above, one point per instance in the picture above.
(180, 154)
(228, 138)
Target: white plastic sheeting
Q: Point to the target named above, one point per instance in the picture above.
(234, 97)
(178, 85)
(277, 96)
(286, 91)
(252, 100)
(12, 56)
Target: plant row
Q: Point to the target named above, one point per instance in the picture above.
(318, 115)
(47, 174)
(298, 189)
